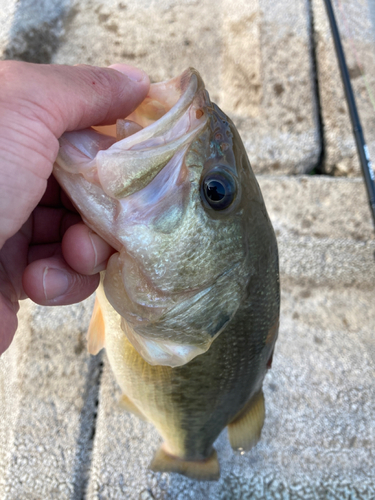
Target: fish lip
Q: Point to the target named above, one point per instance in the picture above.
(140, 157)
(169, 129)
(191, 85)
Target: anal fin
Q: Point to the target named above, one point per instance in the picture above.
(201, 470)
(96, 331)
(128, 405)
(245, 429)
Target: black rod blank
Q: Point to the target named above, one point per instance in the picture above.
(362, 149)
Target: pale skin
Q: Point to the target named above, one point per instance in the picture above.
(46, 251)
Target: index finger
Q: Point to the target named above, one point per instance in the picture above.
(38, 104)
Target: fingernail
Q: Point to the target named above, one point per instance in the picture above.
(101, 252)
(91, 236)
(55, 283)
(134, 74)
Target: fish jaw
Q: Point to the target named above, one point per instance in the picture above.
(121, 167)
(152, 317)
(89, 157)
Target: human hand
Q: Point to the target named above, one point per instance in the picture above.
(44, 253)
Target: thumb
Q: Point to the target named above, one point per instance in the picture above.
(74, 97)
(38, 104)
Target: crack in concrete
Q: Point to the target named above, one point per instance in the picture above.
(319, 167)
(87, 428)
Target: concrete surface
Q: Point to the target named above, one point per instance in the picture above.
(255, 58)
(62, 433)
(319, 434)
(7, 11)
(48, 392)
(35, 29)
(357, 29)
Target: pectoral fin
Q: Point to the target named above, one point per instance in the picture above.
(245, 429)
(201, 470)
(96, 331)
(129, 406)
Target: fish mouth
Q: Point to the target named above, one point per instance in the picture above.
(165, 104)
(125, 159)
(116, 176)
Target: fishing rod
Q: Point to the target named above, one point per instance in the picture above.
(364, 157)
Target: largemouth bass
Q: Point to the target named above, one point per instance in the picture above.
(188, 308)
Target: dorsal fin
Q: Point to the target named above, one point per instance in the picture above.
(96, 331)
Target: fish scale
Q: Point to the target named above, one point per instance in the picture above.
(188, 402)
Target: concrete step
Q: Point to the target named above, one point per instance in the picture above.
(62, 431)
(255, 58)
(48, 391)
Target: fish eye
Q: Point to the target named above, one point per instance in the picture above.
(219, 189)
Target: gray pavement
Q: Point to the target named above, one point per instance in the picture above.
(32, 29)
(319, 434)
(255, 58)
(49, 384)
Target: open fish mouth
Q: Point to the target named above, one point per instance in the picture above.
(137, 185)
(140, 146)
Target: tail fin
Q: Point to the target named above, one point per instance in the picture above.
(201, 470)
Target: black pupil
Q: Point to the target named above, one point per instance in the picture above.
(215, 190)
(219, 189)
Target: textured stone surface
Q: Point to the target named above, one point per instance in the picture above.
(7, 10)
(48, 388)
(254, 58)
(319, 433)
(357, 29)
(10, 395)
(35, 29)
(324, 230)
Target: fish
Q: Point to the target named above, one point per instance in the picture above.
(188, 307)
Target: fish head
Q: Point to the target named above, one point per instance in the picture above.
(175, 195)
